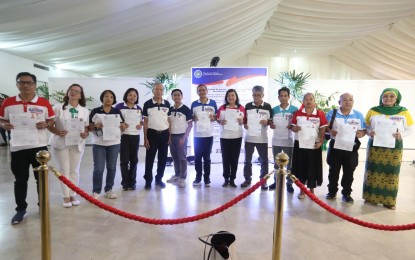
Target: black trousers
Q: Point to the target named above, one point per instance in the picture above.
(231, 149)
(158, 144)
(20, 166)
(3, 134)
(337, 159)
(129, 159)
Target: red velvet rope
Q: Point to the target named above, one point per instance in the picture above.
(351, 219)
(152, 221)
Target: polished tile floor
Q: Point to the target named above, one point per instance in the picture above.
(309, 232)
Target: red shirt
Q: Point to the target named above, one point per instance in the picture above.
(317, 118)
(38, 106)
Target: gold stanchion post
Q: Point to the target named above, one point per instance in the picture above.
(43, 157)
(282, 160)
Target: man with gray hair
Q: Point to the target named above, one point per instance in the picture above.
(156, 135)
(257, 118)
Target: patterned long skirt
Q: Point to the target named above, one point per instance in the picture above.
(381, 181)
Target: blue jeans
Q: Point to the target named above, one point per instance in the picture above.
(104, 155)
(203, 149)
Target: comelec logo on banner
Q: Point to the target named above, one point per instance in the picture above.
(198, 74)
(218, 81)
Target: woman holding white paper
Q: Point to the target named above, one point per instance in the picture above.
(230, 116)
(68, 138)
(106, 122)
(130, 140)
(309, 126)
(383, 162)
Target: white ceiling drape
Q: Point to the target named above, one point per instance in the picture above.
(133, 38)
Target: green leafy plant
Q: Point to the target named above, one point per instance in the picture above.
(4, 96)
(297, 82)
(57, 95)
(294, 82)
(325, 103)
(170, 82)
(43, 91)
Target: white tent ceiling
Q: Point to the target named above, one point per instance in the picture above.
(139, 38)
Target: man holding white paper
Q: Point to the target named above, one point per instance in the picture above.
(347, 125)
(39, 114)
(283, 138)
(156, 135)
(204, 114)
(257, 118)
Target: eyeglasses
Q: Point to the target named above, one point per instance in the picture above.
(75, 91)
(22, 83)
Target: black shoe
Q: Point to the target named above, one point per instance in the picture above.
(125, 188)
(272, 186)
(330, 196)
(161, 184)
(290, 188)
(147, 186)
(18, 218)
(246, 184)
(225, 184)
(264, 186)
(132, 188)
(348, 199)
(233, 184)
(197, 182)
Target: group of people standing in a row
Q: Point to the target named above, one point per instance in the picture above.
(116, 130)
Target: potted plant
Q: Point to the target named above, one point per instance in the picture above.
(170, 82)
(294, 82)
(42, 90)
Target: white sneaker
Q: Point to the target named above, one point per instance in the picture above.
(182, 183)
(95, 195)
(173, 179)
(75, 202)
(67, 204)
(110, 195)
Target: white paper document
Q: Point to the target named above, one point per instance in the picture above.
(281, 131)
(231, 117)
(254, 125)
(74, 127)
(132, 117)
(203, 122)
(345, 137)
(307, 135)
(24, 132)
(384, 131)
(111, 127)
